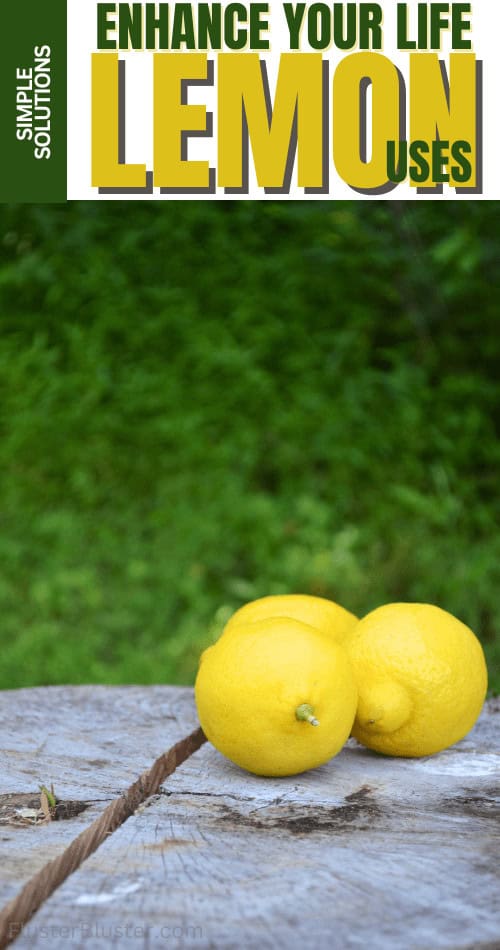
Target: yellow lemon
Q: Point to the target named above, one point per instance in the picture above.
(318, 612)
(276, 697)
(421, 677)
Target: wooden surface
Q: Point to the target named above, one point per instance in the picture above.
(365, 852)
(90, 742)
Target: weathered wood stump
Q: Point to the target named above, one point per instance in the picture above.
(365, 852)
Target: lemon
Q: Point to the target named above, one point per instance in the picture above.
(276, 697)
(318, 612)
(421, 677)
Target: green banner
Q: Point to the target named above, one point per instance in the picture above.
(33, 101)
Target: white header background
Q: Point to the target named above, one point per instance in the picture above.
(82, 42)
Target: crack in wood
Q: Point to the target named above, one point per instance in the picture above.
(23, 810)
(477, 806)
(305, 819)
(43, 884)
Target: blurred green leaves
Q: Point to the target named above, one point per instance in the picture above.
(201, 403)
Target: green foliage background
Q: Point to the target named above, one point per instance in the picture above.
(201, 403)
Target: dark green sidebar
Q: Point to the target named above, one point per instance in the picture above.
(33, 101)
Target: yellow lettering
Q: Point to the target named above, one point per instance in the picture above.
(107, 171)
(298, 92)
(173, 117)
(354, 168)
(431, 115)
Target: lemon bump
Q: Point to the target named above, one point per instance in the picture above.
(384, 707)
(421, 677)
(332, 619)
(260, 690)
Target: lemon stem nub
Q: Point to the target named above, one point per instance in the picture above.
(305, 713)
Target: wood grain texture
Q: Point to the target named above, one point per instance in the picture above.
(365, 852)
(91, 742)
